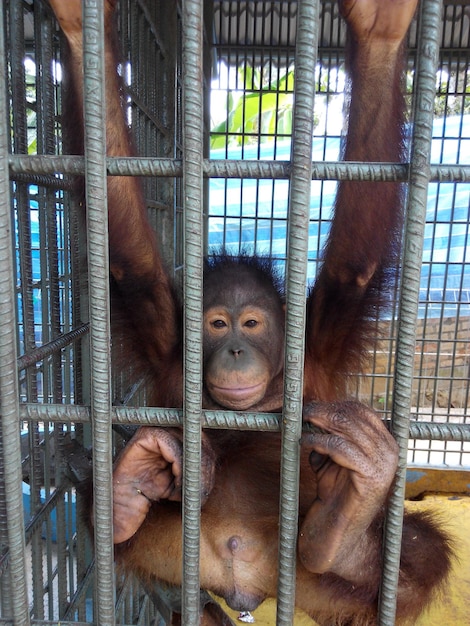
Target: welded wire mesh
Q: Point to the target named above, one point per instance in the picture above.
(252, 214)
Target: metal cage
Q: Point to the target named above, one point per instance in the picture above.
(207, 184)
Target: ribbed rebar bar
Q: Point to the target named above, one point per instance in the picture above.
(23, 166)
(98, 272)
(193, 248)
(428, 54)
(146, 416)
(296, 279)
(12, 494)
(42, 352)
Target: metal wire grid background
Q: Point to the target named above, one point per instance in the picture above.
(254, 89)
(46, 303)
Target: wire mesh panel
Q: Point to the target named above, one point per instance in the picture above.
(51, 304)
(251, 100)
(53, 368)
(44, 277)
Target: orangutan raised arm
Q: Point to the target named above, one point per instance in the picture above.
(143, 285)
(365, 234)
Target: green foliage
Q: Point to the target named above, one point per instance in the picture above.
(265, 110)
(31, 109)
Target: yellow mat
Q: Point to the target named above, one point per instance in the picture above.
(454, 607)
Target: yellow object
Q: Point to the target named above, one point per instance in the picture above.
(453, 607)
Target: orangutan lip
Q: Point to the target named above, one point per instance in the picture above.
(238, 391)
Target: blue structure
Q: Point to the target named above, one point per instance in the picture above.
(252, 214)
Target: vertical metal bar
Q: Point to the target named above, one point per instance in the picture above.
(20, 141)
(193, 229)
(428, 55)
(21, 145)
(50, 307)
(98, 269)
(9, 405)
(299, 213)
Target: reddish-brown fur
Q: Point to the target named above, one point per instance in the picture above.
(346, 473)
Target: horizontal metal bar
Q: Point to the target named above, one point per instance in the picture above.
(146, 416)
(151, 416)
(48, 181)
(230, 168)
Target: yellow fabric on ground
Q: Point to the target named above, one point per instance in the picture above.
(454, 607)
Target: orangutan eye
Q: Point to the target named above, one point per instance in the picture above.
(218, 324)
(251, 323)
